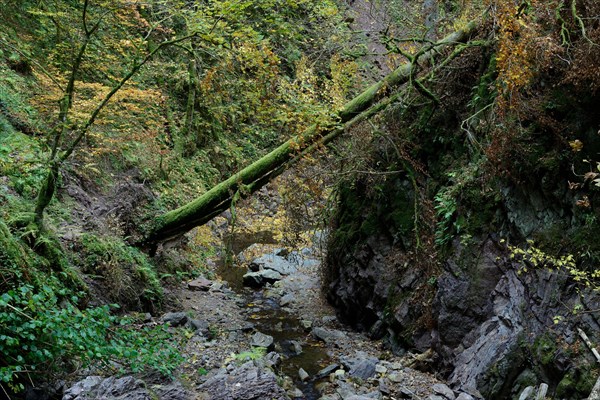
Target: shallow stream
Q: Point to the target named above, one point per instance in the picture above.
(269, 318)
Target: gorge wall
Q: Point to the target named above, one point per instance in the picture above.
(431, 244)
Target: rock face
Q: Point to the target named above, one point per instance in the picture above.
(124, 388)
(489, 324)
(247, 382)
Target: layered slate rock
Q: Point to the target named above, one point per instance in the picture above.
(123, 388)
(247, 382)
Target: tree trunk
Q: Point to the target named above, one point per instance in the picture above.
(187, 141)
(257, 174)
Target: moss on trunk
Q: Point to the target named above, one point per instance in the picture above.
(254, 176)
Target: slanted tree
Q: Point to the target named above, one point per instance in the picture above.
(67, 133)
(257, 174)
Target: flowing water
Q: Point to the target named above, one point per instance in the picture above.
(270, 319)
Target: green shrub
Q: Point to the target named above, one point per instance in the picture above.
(42, 332)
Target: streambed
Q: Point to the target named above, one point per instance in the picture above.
(292, 338)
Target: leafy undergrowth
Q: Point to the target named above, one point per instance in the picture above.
(47, 332)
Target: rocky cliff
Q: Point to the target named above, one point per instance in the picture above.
(453, 241)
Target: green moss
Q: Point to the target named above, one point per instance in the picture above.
(544, 349)
(577, 383)
(128, 275)
(497, 382)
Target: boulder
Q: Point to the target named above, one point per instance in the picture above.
(326, 371)
(444, 390)
(175, 318)
(200, 284)
(80, 389)
(273, 262)
(329, 336)
(302, 374)
(114, 388)
(361, 366)
(261, 340)
(261, 278)
(202, 327)
(244, 382)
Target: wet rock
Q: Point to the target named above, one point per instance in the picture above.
(261, 278)
(296, 394)
(527, 393)
(465, 396)
(273, 262)
(302, 374)
(200, 284)
(541, 393)
(296, 347)
(444, 390)
(328, 336)
(326, 371)
(261, 340)
(245, 382)
(175, 318)
(245, 326)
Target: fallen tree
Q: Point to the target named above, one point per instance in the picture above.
(253, 177)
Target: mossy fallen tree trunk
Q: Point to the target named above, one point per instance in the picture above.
(257, 174)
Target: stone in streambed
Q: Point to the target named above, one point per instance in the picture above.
(201, 327)
(444, 390)
(261, 278)
(328, 336)
(175, 318)
(326, 371)
(200, 284)
(273, 262)
(362, 366)
(302, 374)
(261, 340)
(244, 382)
